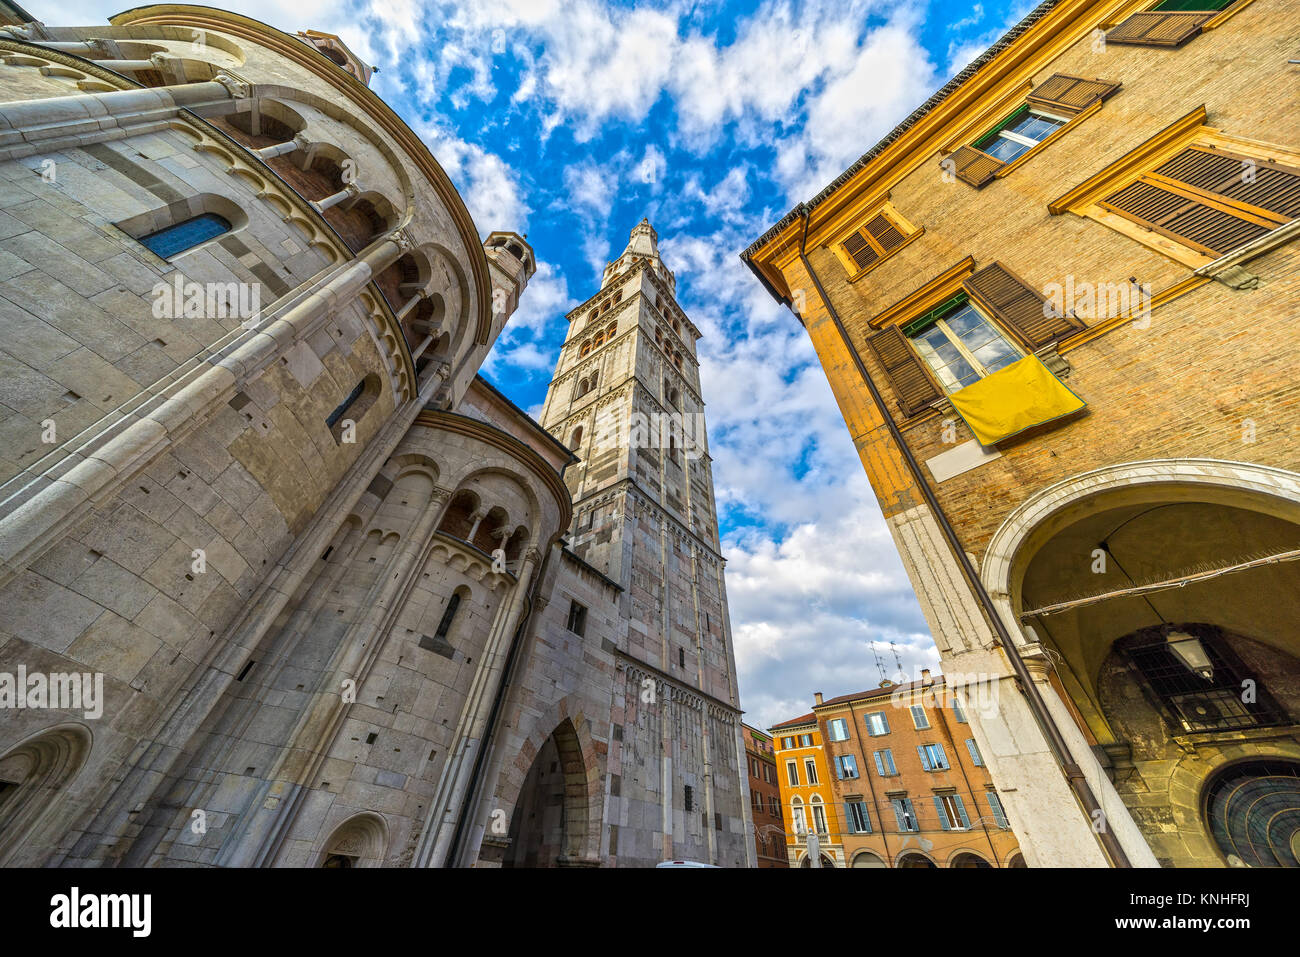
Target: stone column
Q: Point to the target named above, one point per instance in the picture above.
(348, 191)
(440, 822)
(281, 149)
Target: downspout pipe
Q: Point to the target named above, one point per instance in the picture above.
(1056, 742)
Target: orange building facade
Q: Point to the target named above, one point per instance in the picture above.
(807, 794)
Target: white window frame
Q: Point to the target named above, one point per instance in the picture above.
(870, 723)
(792, 773)
(810, 771)
(838, 729)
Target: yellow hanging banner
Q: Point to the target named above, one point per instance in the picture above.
(1011, 400)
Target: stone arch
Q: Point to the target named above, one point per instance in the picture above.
(34, 775)
(867, 859)
(1016, 859)
(963, 857)
(911, 858)
(1251, 810)
(583, 793)
(357, 842)
(458, 518)
(806, 861)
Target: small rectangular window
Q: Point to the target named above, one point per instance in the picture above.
(877, 724)
(880, 237)
(919, 719)
(952, 812)
(846, 766)
(995, 805)
(577, 618)
(905, 814)
(959, 344)
(859, 820)
(974, 750)
(958, 712)
(805, 741)
(810, 770)
(838, 729)
(175, 239)
(688, 798)
(792, 773)
(933, 757)
(1019, 133)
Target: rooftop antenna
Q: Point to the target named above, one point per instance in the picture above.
(880, 667)
(902, 675)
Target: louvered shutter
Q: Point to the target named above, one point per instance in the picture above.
(973, 166)
(925, 759)
(860, 251)
(943, 757)
(898, 814)
(1212, 230)
(884, 232)
(1018, 307)
(906, 372)
(995, 805)
(974, 752)
(1158, 29)
(884, 721)
(943, 813)
(961, 810)
(1240, 178)
(880, 765)
(1070, 93)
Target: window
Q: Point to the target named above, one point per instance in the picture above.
(577, 618)
(855, 811)
(959, 344)
(1019, 133)
(995, 805)
(774, 805)
(933, 757)
(787, 743)
(839, 729)
(952, 813)
(846, 766)
(819, 816)
(919, 720)
(1210, 200)
(688, 798)
(885, 763)
(957, 711)
(905, 814)
(342, 421)
(177, 238)
(792, 773)
(343, 406)
(805, 741)
(974, 750)
(877, 724)
(883, 234)
(810, 770)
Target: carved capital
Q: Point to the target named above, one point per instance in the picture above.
(238, 88)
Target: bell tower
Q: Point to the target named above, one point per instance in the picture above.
(626, 398)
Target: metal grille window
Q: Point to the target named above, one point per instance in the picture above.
(1192, 702)
(688, 798)
(959, 344)
(175, 239)
(1019, 133)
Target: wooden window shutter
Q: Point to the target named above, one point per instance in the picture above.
(1070, 93)
(974, 167)
(1263, 185)
(873, 242)
(1210, 229)
(1018, 307)
(1158, 29)
(912, 384)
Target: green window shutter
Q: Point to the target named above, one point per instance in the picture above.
(943, 814)
(1018, 307)
(1060, 91)
(973, 166)
(905, 371)
(1158, 29)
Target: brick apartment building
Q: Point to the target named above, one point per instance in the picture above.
(1057, 306)
(910, 780)
(765, 799)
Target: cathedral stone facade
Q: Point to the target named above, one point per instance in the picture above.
(286, 583)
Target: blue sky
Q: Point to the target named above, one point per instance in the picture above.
(569, 120)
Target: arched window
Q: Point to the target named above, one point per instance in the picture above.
(611, 329)
(819, 815)
(448, 616)
(586, 347)
(798, 821)
(576, 439)
(177, 238)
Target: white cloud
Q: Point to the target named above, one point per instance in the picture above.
(491, 189)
